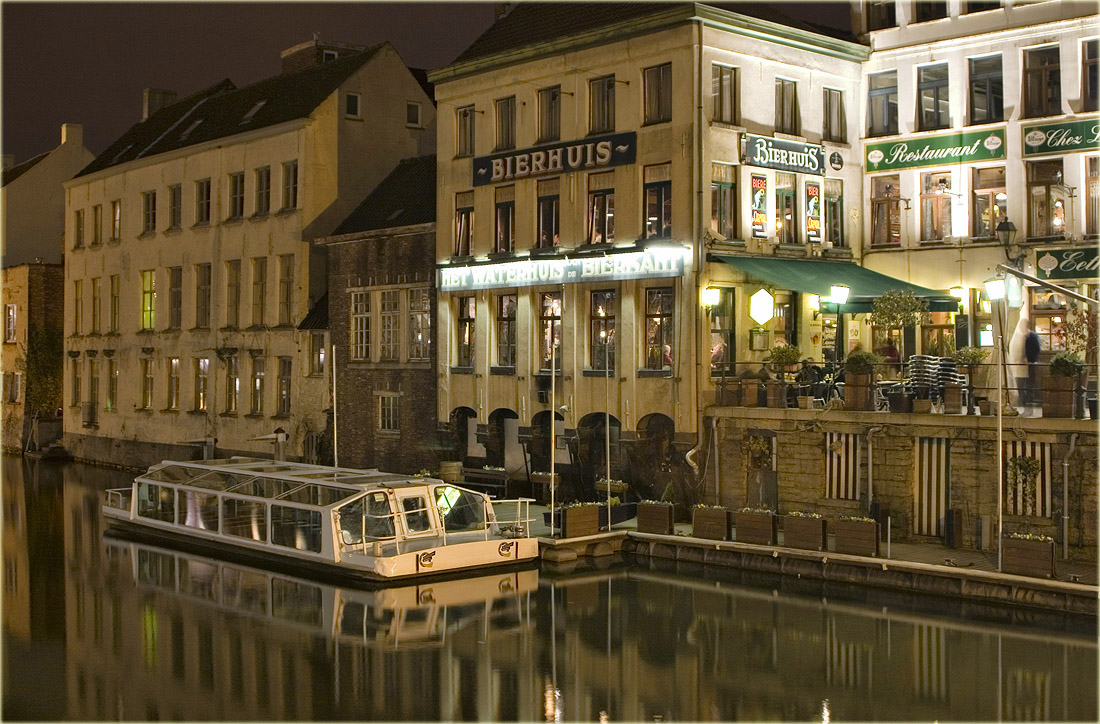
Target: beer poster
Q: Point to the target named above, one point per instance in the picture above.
(759, 207)
(813, 211)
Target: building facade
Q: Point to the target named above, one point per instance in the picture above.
(190, 260)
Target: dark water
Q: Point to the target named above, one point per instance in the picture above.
(98, 628)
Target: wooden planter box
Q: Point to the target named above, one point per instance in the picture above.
(655, 518)
(581, 521)
(713, 523)
(922, 407)
(1058, 396)
(807, 533)
(859, 392)
(952, 398)
(856, 537)
(777, 394)
(1028, 557)
(749, 392)
(756, 528)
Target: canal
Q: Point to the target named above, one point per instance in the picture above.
(101, 628)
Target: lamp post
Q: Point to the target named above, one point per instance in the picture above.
(995, 290)
(555, 308)
(1006, 232)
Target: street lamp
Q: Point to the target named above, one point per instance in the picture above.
(555, 317)
(1006, 232)
(995, 290)
(838, 293)
(605, 340)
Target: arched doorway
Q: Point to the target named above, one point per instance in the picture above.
(592, 440)
(539, 447)
(502, 448)
(464, 443)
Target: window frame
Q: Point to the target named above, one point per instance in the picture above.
(725, 96)
(601, 216)
(788, 115)
(1053, 195)
(286, 290)
(172, 391)
(887, 203)
(148, 299)
(601, 104)
(351, 99)
(505, 114)
(359, 327)
(886, 99)
(935, 199)
(290, 185)
(236, 196)
(233, 293)
(202, 202)
(116, 220)
(148, 212)
(259, 290)
(505, 322)
(663, 321)
(989, 83)
(935, 90)
(787, 233)
(97, 225)
(724, 208)
(420, 324)
(263, 191)
(11, 322)
(464, 131)
(78, 306)
(603, 316)
(834, 122)
(990, 194)
(1090, 75)
(202, 383)
(232, 384)
(97, 304)
(175, 297)
(550, 331)
(78, 228)
(1042, 73)
(112, 322)
(466, 331)
(660, 194)
(147, 383)
(722, 359)
(175, 207)
(317, 352)
(256, 385)
(389, 412)
(549, 100)
(504, 232)
(463, 231)
(389, 325)
(283, 385)
(204, 284)
(548, 238)
(657, 94)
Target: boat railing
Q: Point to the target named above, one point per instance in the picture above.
(518, 526)
(118, 498)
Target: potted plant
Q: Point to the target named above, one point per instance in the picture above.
(859, 380)
(1021, 472)
(804, 530)
(783, 358)
(755, 525)
(969, 358)
(856, 535)
(896, 309)
(1028, 554)
(922, 402)
(655, 516)
(710, 521)
(1060, 387)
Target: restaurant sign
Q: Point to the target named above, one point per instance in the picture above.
(651, 263)
(1062, 137)
(937, 150)
(1070, 263)
(784, 155)
(590, 154)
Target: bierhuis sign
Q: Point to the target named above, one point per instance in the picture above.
(936, 150)
(1062, 137)
(589, 154)
(784, 155)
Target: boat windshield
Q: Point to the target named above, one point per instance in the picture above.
(460, 510)
(368, 518)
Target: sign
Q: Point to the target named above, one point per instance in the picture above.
(937, 150)
(1072, 263)
(651, 263)
(784, 155)
(759, 207)
(1062, 137)
(836, 161)
(813, 211)
(588, 155)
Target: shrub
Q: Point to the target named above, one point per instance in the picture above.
(783, 355)
(862, 363)
(970, 356)
(1066, 364)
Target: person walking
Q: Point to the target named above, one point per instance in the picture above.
(1032, 347)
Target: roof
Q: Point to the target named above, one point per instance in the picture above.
(404, 198)
(317, 318)
(532, 23)
(421, 76)
(10, 174)
(222, 110)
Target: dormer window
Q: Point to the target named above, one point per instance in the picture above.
(327, 55)
(252, 111)
(191, 129)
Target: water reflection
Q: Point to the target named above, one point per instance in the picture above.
(100, 628)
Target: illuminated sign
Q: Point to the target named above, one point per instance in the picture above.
(590, 154)
(813, 211)
(937, 150)
(1070, 263)
(784, 155)
(1062, 137)
(759, 207)
(651, 263)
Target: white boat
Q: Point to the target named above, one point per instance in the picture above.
(363, 523)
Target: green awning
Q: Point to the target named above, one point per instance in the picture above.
(815, 276)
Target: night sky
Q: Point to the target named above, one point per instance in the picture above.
(88, 62)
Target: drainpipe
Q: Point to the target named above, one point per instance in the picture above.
(699, 254)
(1065, 495)
(871, 467)
(717, 461)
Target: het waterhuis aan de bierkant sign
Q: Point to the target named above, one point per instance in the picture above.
(588, 154)
(1069, 263)
(1062, 137)
(784, 155)
(961, 147)
(646, 264)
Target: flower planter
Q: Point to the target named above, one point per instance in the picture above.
(856, 537)
(713, 523)
(1028, 557)
(922, 407)
(859, 392)
(759, 528)
(986, 408)
(655, 518)
(807, 533)
(952, 398)
(1058, 393)
(805, 402)
(749, 392)
(899, 401)
(777, 394)
(580, 521)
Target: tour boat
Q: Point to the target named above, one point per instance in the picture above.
(363, 523)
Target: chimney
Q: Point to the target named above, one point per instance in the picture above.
(153, 99)
(72, 133)
(9, 160)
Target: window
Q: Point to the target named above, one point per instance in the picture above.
(412, 114)
(283, 387)
(467, 312)
(202, 378)
(173, 391)
(112, 385)
(74, 383)
(658, 209)
(929, 10)
(420, 324)
(1046, 199)
(329, 56)
(506, 330)
(1042, 82)
(233, 293)
(986, 90)
(97, 225)
(13, 383)
(97, 305)
(175, 297)
(723, 201)
(464, 131)
(990, 202)
(548, 214)
(550, 114)
(148, 299)
(601, 104)
(286, 288)
(116, 220)
(175, 206)
(601, 208)
(387, 412)
(1092, 195)
(360, 326)
(113, 323)
(787, 117)
(290, 185)
(505, 220)
(550, 330)
(78, 306)
(725, 93)
(881, 14)
(834, 212)
(601, 342)
(658, 93)
(658, 328)
(935, 206)
(932, 97)
(351, 105)
(202, 201)
(835, 127)
(93, 392)
(149, 212)
(1090, 82)
(722, 333)
(389, 323)
(202, 295)
(786, 209)
(146, 384)
(232, 383)
(259, 290)
(256, 406)
(980, 5)
(882, 104)
(886, 210)
(263, 190)
(236, 195)
(506, 122)
(9, 322)
(317, 353)
(78, 229)
(464, 222)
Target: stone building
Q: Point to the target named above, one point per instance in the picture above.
(190, 260)
(382, 300)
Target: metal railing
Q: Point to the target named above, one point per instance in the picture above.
(118, 498)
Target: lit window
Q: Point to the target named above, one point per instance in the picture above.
(601, 343)
(467, 313)
(420, 324)
(550, 330)
(659, 334)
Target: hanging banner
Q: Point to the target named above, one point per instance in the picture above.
(784, 155)
(937, 150)
(1062, 137)
(813, 211)
(759, 207)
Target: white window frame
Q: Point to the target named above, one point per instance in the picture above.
(389, 411)
(349, 99)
